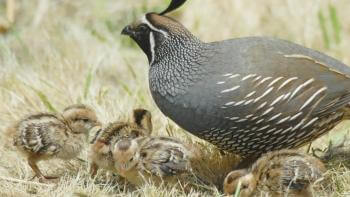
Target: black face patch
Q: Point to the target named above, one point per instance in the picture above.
(158, 39)
(141, 35)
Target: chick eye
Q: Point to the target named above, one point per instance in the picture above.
(244, 186)
(135, 133)
(131, 159)
(85, 120)
(143, 154)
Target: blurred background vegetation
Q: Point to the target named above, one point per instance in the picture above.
(59, 52)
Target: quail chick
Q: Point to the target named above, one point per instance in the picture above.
(154, 159)
(100, 153)
(44, 136)
(279, 173)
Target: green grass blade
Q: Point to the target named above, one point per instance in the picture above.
(98, 35)
(87, 84)
(45, 101)
(43, 98)
(102, 94)
(238, 189)
(125, 87)
(335, 23)
(322, 21)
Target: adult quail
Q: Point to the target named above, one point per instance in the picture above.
(278, 173)
(246, 95)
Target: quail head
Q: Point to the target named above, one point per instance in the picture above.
(100, 154)
(279, 173)
(153, 159)
(44, 136)
(246, 95)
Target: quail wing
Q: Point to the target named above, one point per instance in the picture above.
(260, 92)
(166, 161)
(298, 174)
(40, 137)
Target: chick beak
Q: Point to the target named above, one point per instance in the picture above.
(128, 31)
(98, 124)
(121, 171)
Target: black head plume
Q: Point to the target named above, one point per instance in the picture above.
(173, 6)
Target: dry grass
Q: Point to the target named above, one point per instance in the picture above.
(61, 52)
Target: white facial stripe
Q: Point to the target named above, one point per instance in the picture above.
(152, 45)
(145, 21)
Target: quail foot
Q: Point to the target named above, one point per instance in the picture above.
(155, 159)
(246, 95)
(44, 136)
(335, 154)
(100, 152)
(279, 173)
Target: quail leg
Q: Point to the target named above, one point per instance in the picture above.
(333, 152)
(32, 163)
(309, 147)
(93, 170)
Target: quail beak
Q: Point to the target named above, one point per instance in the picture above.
(128, 31)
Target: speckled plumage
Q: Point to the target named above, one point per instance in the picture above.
(279, 173)
(246, 95)
(100, 151)
(153, 159)
(43, 136)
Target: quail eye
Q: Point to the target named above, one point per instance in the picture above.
(131, 159)
(143, 27)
